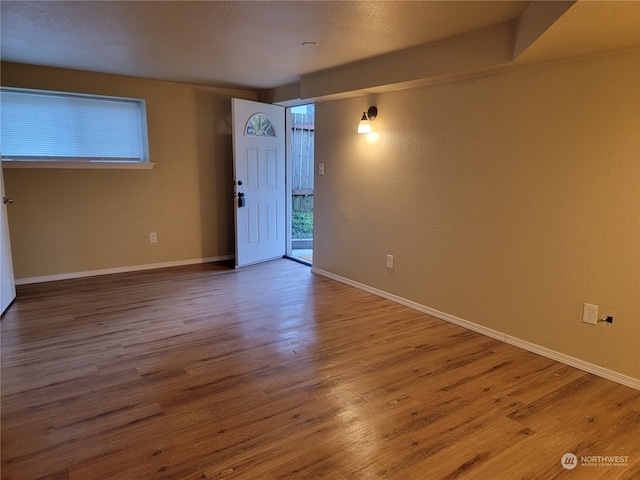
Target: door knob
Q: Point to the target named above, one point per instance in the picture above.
(6, 200)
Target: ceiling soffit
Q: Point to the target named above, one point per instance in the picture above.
(545, 32)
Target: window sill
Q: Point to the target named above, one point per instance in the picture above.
(79, 165)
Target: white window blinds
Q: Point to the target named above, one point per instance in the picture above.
(56, 126)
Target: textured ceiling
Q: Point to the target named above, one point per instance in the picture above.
(238, 43)
(589, 28)
(258, 44)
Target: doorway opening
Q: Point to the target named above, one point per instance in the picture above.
(300, 155)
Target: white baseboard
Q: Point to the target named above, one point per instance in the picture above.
(109, 271)
(531, 347)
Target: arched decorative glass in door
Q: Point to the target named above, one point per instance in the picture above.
(260, 124)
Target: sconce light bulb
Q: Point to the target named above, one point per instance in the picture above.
(364, 126)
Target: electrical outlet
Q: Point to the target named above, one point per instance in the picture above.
(389, 261)
(153, 237)
(321, 169)
(590, 314)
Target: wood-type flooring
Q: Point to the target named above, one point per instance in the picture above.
(273, 373)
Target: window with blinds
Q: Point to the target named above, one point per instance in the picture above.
(60, 127)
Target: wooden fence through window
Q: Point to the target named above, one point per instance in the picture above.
(302, 161)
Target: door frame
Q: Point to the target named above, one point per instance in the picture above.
(8, 284)
(288, 212)
(289, 180)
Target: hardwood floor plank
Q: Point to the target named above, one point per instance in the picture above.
(270, 372)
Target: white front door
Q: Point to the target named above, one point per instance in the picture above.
(259, 181)
(7, 287)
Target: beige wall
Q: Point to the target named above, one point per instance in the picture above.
(508, 201)
(67, 221)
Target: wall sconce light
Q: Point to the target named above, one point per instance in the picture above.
(364, 126)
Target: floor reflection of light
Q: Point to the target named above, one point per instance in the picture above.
(297, 341)
(355, 417)
(296, 328)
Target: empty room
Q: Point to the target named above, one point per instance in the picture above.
(471, 306)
